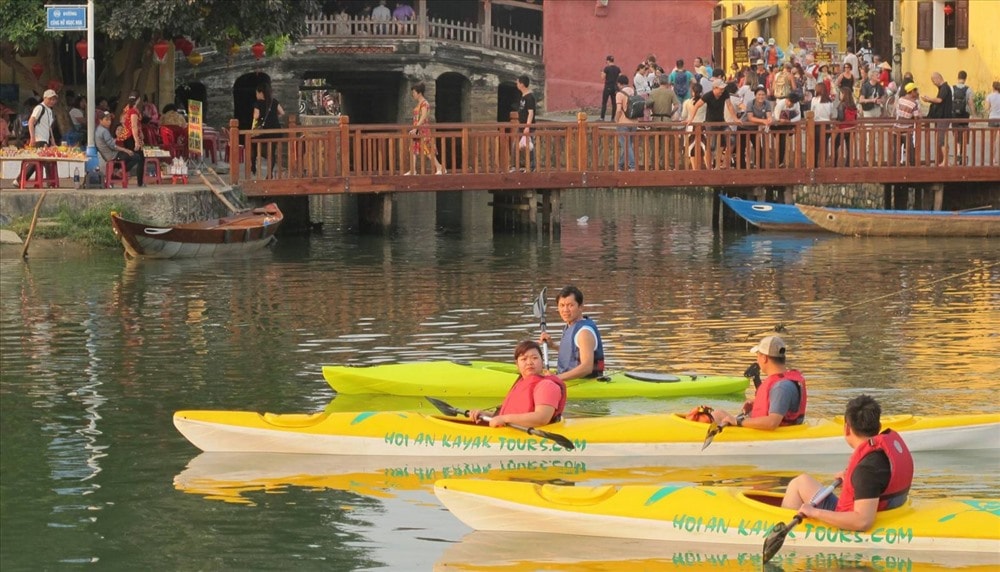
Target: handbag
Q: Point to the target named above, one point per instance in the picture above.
(526, 143)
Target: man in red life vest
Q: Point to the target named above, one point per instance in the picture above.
(535, 399)
(781, 397)
(877, 477)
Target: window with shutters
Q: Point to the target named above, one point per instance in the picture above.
(942, 24)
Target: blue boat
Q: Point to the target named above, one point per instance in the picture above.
(771, 216)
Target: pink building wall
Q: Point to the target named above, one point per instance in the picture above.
(576, 41)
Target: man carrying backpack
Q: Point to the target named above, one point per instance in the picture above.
(680, 78)
(961, 105)
(626, 124)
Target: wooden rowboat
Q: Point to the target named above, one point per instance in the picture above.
(227, 236)
(871, 222)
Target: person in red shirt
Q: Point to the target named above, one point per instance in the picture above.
(878, 474)
(535, 399)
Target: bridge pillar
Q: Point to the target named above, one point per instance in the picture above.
(526, 210)
(374, 212)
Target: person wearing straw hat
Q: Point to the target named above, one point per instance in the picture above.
(780, 398)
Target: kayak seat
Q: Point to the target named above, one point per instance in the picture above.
(652, 377)
(576, 496)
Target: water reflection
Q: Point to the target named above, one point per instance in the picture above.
(96, 354)
(482, 550)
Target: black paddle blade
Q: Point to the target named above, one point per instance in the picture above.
(774, 541)
(563, 441)
(713, 430)
(444, 407)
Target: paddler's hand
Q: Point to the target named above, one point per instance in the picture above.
(809, 510)
(497, 421)
(475, 414)
(723, 418)
(545, 339)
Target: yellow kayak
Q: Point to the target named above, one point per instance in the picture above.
(722, 515)
(493, 379)
(409, 433)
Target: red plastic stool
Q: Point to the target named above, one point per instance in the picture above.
(156, 173)
(112, 168)
(45, 172)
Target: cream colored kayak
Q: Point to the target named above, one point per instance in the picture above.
(723, 515)
(408, 433)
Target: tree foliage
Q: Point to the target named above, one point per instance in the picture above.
(130, 28)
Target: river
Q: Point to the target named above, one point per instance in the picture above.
(98, 353)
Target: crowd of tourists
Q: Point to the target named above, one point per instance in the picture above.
(773, 92)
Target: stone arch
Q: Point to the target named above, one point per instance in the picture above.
(194, 90)
(508, 96)
(452, 92)
(244, 94)
(451, 98)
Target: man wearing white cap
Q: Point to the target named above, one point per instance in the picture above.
(40, 123)
(781, 397)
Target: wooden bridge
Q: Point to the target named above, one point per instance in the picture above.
(348, 158)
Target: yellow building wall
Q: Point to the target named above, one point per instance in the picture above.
(981, 60)
(834, 16)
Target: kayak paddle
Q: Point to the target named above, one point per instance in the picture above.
(452, 412)
(713, 427)
(538, 309)
(776, 538)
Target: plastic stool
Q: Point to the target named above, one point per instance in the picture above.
(45, 172)
(109, 174)
(156, 173)
(181, 178)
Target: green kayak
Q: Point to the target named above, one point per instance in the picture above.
(494, 379)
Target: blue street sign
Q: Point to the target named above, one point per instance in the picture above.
(65, 18)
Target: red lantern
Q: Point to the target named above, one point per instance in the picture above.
(81, 48)
(160, 50)
(948, 9)
(184, 46)
(258, 50)
(37, 70)
(54, 85)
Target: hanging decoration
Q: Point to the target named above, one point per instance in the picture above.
(948, 9)
(37, 70)
(195, 59)
(184, 46)
(81, 48)
(258, 50)
(234, 49)
(160, 50)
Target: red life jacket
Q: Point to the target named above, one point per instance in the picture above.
(762, 400)
(521, 397)
(900, 462)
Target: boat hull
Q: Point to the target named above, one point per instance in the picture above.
(396, 433)
(867, 222)
(487, 550)
(229, 236)
(716, 515)
(771, 216)
(493, 379)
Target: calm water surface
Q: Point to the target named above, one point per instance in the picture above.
(98, 353)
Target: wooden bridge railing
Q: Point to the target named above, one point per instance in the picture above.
(328, 27)
(374, 158)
